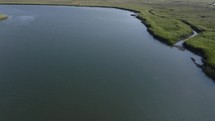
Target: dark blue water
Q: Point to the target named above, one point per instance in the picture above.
(94, 64)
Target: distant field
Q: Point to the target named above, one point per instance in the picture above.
(168, 20)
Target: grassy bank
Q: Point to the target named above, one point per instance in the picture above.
(167, 20)
(204, 45)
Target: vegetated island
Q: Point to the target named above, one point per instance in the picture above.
(167, 20)
(3, 16)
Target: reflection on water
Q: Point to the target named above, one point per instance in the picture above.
(25, 19)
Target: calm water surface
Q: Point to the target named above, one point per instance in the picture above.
(94, 64)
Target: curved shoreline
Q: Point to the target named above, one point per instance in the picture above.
(209, 71)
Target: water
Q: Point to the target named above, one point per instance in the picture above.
(94, 64)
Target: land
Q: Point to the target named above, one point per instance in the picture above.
(3, 16)
(167, 20)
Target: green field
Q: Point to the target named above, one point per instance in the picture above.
(168, 20)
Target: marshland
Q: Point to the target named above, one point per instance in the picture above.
(106, 60)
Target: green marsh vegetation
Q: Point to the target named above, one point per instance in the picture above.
(3, 16)
(167, 20)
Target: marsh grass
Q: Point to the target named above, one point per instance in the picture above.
(205, 44)
(3, 16)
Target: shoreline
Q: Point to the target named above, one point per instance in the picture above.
(73, 5)
(208, 70)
